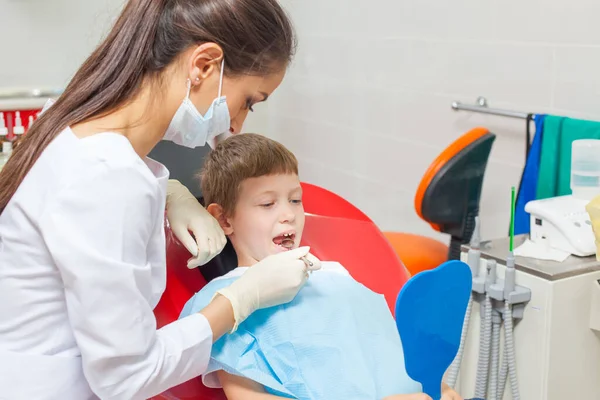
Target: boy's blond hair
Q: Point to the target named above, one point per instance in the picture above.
(238, 158)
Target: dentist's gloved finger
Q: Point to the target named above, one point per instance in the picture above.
(202, 257)
(220, 237)
(197, 261)
(316, 263)
(194, 263)
(203, 249)
(186, 239)
(223, 242)
(301, 271)
(216, 235)
(214, 246)
(296, 253)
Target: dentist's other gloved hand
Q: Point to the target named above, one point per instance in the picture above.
(273, 281)
(186, 214)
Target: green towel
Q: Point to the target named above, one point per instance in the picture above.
(555, 161)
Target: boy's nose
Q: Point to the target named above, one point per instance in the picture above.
(287, 215)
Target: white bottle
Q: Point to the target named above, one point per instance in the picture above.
(3, 129)
(6, 153)
(18, 129)
(30, 123)
(585, 168)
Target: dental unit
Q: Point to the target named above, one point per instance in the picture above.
(500, 301)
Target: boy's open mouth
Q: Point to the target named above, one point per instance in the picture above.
(286, 240)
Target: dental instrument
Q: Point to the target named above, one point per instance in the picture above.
(513, 298)
(496, 324)
(307, 262)
(510, 365)
(485, 334)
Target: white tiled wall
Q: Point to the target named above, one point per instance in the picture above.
(366, 104)
(44, 42)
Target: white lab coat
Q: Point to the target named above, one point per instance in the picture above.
(82, 265)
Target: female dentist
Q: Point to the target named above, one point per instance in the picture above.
(82, 247)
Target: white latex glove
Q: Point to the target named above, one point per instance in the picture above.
(185, 214)
(274, 280)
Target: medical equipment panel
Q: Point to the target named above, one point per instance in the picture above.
(556, 338)
(562, 223)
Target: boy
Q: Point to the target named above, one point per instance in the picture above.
(336, 339)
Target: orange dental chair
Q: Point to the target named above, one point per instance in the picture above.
(448, 199)
(346, 236)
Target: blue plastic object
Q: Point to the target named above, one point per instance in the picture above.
(528, 186)
(430, 311)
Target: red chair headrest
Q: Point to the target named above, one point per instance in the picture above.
(320, 201)
(361, 248)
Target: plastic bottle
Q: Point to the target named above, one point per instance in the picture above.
(3, 129)
(30, 123)
(6, 153)
(18, 130)
(585, 168)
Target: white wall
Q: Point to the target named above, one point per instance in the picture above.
(44, 42)
(366, 105)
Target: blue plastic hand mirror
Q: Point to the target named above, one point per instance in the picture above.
(430, 311)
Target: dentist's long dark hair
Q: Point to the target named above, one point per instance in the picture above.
(256, 36)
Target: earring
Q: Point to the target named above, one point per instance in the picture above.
(197, 79)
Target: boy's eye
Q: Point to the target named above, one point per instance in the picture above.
(267, 205)
(296, 201)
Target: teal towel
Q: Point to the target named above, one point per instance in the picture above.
(555, 161)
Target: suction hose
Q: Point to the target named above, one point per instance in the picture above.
(503, 375)
(510, 351)
(493, 383)
(483, 363)
(509, 364)
(455, 366)
(473, 257)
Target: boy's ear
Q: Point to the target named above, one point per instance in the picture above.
(217, 212)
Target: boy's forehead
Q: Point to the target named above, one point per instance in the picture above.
(267, 183)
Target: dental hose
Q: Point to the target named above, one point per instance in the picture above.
(455, 366)
(473, 257)
(503, 376)
(510, 351)
(495, 360)
(509, 366)
(509, 344)
(483, 363)
(485, 336)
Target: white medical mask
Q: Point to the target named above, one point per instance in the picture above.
(190, 129)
